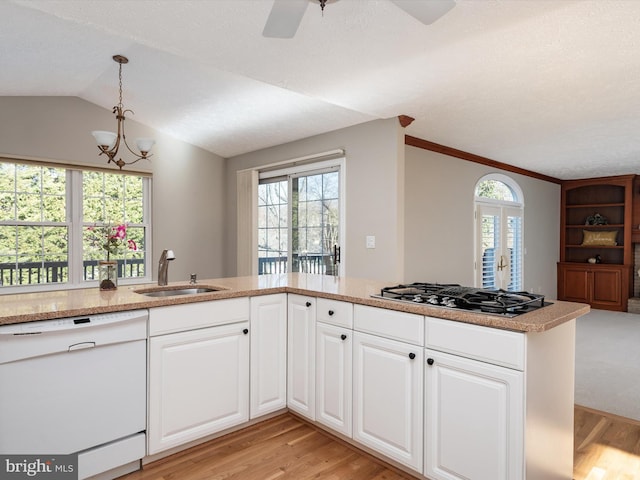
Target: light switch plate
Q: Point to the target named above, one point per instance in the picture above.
(371, 241)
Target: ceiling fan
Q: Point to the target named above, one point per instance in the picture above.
(286, 15)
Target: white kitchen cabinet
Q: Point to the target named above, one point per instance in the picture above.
(198, 378)
(499, 404)
(301, 348)
(335, 312)
(388, 397)
(401, 326)
(180, 318)
(268, 364)
(474, 419)
(334, 377)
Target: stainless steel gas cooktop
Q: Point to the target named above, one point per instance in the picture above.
(494, 302)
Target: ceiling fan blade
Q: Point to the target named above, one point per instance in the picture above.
(426, 11)
(284, 19)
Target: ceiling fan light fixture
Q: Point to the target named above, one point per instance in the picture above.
(109, 142)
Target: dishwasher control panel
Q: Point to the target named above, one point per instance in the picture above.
(31, 339)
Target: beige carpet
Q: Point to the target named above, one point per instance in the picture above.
(608, 362)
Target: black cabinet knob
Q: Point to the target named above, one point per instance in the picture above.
(412, 356)
(308, 304)
(331, 312)
(245, 331)
(343, 336)
(430, 361)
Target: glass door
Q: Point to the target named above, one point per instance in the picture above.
(500, 245)
(299, 223)
(315, 222)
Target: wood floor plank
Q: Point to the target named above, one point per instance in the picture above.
(607, 446)
(286, 448)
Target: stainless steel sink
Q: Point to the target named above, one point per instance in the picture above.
(173, 291)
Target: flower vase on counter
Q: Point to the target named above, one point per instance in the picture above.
(113, 240)
(108, 274)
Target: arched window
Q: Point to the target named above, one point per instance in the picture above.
(499, 207)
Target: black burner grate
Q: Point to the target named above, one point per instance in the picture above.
(500, 302)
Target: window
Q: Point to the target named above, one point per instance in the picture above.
(34, 232)
(45, 224)
(499, 237)
(299, 219)
(110, 200)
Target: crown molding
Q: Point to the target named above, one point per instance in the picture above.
(471, 157)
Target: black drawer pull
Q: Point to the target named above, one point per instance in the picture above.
(412, 355)
(343, 336)
(331, 312)
(430, 361)
(245, 331)
(308, 304)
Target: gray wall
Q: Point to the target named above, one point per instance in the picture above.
(374, 184)
(439, 221)
(420, 208)
(188, 185)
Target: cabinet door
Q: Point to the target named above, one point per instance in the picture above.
(268, 391)
(573, 283)
(388, 397)
(607, 288)
(301, 342)
(198, 384)
(474, 419)
(334, 377)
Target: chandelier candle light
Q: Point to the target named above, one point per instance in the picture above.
(109, 142)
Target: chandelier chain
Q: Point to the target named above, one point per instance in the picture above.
(120, 78)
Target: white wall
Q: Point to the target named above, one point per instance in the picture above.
(188, 185)
(439, 232)
(374, 184)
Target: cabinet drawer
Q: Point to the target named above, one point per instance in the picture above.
(491, 345)
(334, 312)
(177, 318)
(406, 327)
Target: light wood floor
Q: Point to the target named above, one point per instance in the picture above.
(606, 448)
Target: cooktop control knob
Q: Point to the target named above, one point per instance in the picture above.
(449, 302)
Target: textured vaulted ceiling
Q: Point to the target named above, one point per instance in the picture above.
(552, 86)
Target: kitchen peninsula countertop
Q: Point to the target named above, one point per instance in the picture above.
(28, 307)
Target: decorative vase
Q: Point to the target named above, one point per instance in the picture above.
(108, 274)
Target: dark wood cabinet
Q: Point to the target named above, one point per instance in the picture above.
(601, 286)
(596, 222)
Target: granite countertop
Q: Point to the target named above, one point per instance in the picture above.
(28, 307)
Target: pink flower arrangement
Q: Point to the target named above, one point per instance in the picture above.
(111, 238)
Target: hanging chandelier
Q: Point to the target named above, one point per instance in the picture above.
(109, 142)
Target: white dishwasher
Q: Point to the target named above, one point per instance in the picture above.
(76, 385)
